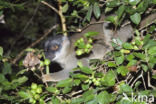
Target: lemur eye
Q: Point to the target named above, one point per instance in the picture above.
(55, 47)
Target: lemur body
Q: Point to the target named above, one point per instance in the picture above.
(61, 48)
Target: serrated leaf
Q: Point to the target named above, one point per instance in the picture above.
(132, 63)
(76, 82)
(80, 76)
(140, 55)
(64, 83)
(152, 51)
(127, 46)
(120, 11)
(122, 70)
(136, 18)
(24, 95)
(111, 64)
(96, 10)
(1, 51)
(149, 44)
(55, 100)
(130, 57)
(86, 70)
(104, 97)
(88, 95)
(67, 89)
(20, 80)
(125, 88)
(78, 100)
(65, 8)
(85, 86)
(51, 89)
(89, 13)
(137, 84)
(119, 60)
(145, 67)
(109, 78)
(110, 19)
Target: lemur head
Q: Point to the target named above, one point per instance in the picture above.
(57, 47)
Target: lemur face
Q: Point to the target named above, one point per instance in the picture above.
(55, 47)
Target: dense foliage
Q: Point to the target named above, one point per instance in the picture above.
(126, 75)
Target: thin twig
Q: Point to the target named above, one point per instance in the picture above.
(33, 44)
(137, 79)
(64, 28)
(50, 6)
(149, 82)
(59, 12)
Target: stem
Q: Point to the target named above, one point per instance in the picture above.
(47, 69)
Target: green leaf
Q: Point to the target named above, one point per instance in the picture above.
(88, 95)
(112, 4)
(137, 84)
(134, 2)
(86, 70)
(64, 83)
(76, 82)
(91, 34)
(67, 89)
(85, 86)
(145, 67)
(96, 10)
(24, 95)
(119, 60)
(105, 98)
(20, 80)
(152, 51)
(132, 63)
(52, 89)
(140, 55)
(120, 11)
(89, 13)
(130, 57)
(154, 1)
(141, 7)
(107, 9)
(65, 8)
(130, 10)
(7, 68)
(154, 76)
(111, 19)
(149, 44)
(111, 64)
(122, 70)
(1, 51)
(80, 76)
(109, 78)
(2, 78)
(77, 100)
(136, 18)
(125, 88)
(127, 45)
(55, 100)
